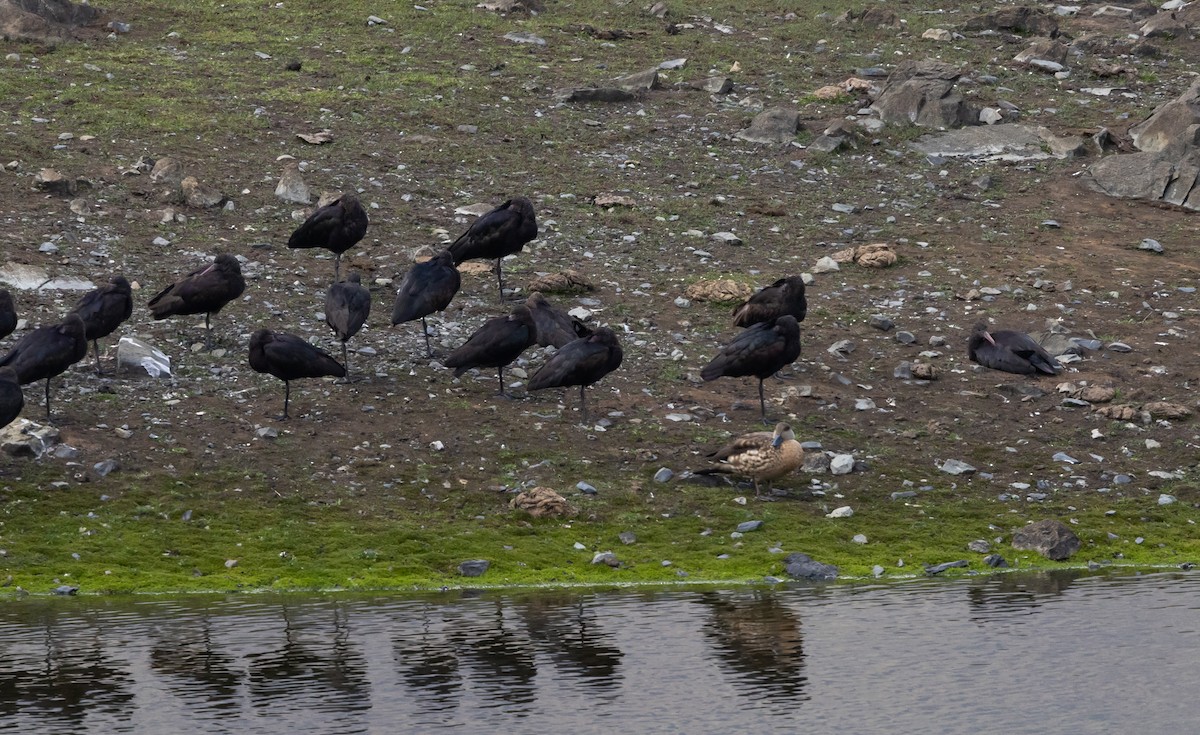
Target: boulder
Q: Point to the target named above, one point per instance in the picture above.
(922, 93)
(1170, 124)
(776, 125)
(136, 355)
(44, 21)
(25, 438)
(1024, 20)
(291, 186)
(802, 566)
(1164, 176)
(871, 18)
(1050, 538)
(639, 82)
(1009, 142)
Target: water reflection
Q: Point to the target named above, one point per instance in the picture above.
(758, 638)
(58, 670)
(193, 667)
(315, 661)
(569, 632)
(1004, 595)
(696, 661)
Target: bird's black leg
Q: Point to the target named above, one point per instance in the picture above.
(762, 404)
(425, 331)
(96, 349)
(503, 393)
(47, 399)
(583, 403)
(337, 266)
(345, 364)
(207, 332)
(287, 396)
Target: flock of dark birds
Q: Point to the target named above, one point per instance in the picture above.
(769, 342)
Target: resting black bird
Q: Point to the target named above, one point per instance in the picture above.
(8, 314)
(347, 306)
(103, 310)
(1010, 351)
(553, 326)
(497, 234)
(760, 351)
(580, 362)
(288, 358)
(203, 291)
(11, 398)
(785, 296)
(426, 288)
(337, 227)
(48, 351)
(497, 343)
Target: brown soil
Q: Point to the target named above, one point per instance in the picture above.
(380, 429)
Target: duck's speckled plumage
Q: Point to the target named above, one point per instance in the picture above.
(759, 455)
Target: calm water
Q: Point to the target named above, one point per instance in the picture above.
(1007, 654)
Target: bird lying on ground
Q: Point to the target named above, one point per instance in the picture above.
(1010, 351)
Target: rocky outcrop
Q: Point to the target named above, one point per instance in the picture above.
(42, 21)
(1049, 538)
(922, 93)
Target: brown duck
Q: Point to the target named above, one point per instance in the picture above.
(759, 455)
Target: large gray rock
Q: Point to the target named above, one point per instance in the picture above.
(776, 125)
(1023, 20)
(200, 196)
(291, 186)
(1011, 142)
(639, 82)
(43, 21)
(1050, 538)
(1168, 125)
(802, 566)
(142, 357)
(922, 93)
(1166, 176)
(168, 171)
(25, 438)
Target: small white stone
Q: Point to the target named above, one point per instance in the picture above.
(843, 512)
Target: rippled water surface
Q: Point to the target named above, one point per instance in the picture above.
(1005, 654)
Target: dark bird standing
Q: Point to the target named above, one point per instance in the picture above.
(426, 288)
(203, 291)
(8, 314)
(103, 310)
(554, 327)
(498, 234)
(760, 351)
(11, 398)
(1010, 351)
(48, 351)
(759, 455)
(580, 362)
(497, 343)
(785, 296)
(289, 358)
(347, 306)
(337, 227)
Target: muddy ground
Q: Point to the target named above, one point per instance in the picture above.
(672, 152)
